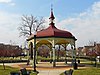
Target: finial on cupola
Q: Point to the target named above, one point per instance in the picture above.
(51, 15)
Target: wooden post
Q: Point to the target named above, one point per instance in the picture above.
(58, 53)
(72, 55)
(54, 60)
(65, 55)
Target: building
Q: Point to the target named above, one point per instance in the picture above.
(86, 49)
(10, 50)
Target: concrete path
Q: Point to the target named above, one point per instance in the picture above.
(50, 72)
(47, 69)
(43, 68)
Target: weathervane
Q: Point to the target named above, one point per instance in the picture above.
(51, 7)
(51, 15)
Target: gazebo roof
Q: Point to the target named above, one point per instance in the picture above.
(52, 31)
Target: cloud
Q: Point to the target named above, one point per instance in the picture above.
(10, 2)
(8, 27)
(85, 26)
(5, 1)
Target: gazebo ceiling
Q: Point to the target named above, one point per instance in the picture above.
(44, 42)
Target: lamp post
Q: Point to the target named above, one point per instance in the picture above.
(34, 52)
(74, 64)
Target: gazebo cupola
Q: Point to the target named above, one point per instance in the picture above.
(51, 17)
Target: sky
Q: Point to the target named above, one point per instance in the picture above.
(80, 17)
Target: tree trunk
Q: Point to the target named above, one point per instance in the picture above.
(3, 65)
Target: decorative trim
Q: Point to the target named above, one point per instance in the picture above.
(52, 37)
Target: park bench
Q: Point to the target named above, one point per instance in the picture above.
(68, 72)
(24, 71)
(14, 73)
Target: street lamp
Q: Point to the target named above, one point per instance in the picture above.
(35, 52)
(74, 64)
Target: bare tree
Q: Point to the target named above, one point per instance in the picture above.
(91, 43)
(43, 51)
(30, 24)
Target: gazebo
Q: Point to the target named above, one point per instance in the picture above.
(52, 36)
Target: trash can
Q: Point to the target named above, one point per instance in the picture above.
(75, 65)
(78, 61)
(51, 61)
(14, 73)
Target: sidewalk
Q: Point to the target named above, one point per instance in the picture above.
(47, 69)
(44, 68)
(50, 72)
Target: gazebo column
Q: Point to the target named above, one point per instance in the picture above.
(58, 53)
(50, 54)
(28, 56)
(72, 55)
(54, 57)
(74, 51)
(65, 54)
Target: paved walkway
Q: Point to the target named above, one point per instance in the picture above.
(44, 68)
(50, 72)
(47, 69)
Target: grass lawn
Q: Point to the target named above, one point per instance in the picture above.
(86, 71)
(8, 70)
